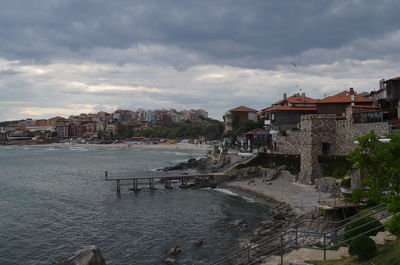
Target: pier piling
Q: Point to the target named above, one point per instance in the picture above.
(134, 182)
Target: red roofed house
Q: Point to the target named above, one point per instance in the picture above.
(338, 103)
(235, 118)
(285, 114)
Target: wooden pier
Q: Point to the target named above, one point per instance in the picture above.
(166, 181)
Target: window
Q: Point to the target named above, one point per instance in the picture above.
(326, 147)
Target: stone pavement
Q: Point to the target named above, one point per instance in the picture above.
(300, 255)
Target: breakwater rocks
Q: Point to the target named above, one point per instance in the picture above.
(282, 216)
(89, 255)
(201, 164)
(268, 174)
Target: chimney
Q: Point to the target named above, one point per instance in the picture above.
(284, 96)
(351, 91)
(352, 97)
(303, 96)
(297, 96)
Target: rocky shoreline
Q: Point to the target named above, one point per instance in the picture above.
(200, 164)
(282, 213)
(272, 187)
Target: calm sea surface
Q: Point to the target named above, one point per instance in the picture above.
(54, 200)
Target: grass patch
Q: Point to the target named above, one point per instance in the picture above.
(387, 255)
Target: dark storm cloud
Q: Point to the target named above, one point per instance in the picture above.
(73, 56)
(243, 33)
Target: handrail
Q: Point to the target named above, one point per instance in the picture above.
(363, 217)
(294, 229)
(355, 228)
(347, 240)
(347, 218)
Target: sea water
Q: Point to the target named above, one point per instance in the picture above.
(54, 201)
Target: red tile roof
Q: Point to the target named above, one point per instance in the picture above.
(291, 108)
(294, 100)
(344, 97)
(244, 109)
(56, 118)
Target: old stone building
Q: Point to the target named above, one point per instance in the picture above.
(327, 134)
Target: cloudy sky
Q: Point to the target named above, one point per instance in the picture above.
(74, 56)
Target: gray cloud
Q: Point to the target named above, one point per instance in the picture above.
(90, 55)
(223, 32)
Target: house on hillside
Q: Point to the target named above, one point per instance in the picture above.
(338, 103)
(235, 118)
(285, 114)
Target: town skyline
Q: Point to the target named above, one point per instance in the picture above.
(60, 59)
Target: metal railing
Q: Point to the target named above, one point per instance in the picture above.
(278, 243)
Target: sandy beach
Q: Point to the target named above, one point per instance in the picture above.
(302, 198)
(177, 146)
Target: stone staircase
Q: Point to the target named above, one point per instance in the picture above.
(298, 256)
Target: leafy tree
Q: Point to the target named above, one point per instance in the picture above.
(250, 125)
(124, 131)
(393, 226)
(380, 164)
(211, 130)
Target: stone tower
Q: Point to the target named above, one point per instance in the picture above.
(317, 138)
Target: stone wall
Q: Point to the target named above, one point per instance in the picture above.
(286, 144)
(346, 134)
(323, 134)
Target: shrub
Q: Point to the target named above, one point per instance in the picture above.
(393, 226)
(375, 197)
(394, 204)
(373, 223)
(357, 195)
(363, 247)
(269, 165)
(346, 182)
(291, 170)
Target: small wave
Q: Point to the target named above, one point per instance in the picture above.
(228, 192)
(180, 154)
(52, 149)
(78, 149)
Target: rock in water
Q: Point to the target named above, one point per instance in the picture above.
(169, 261)
(89, 255)
(175, 251)
(199, 243)
(238, 223)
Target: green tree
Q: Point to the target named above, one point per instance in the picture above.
(379, 162)
(250, 125)
(124, 131)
